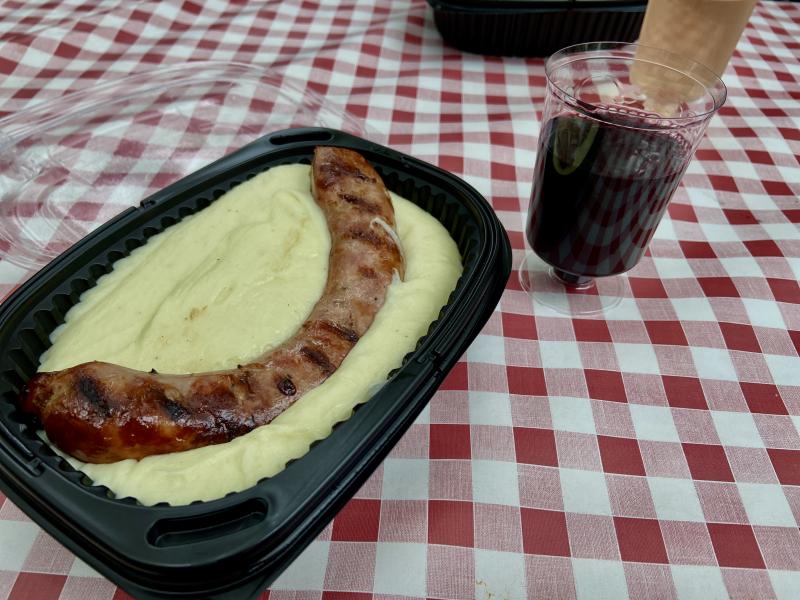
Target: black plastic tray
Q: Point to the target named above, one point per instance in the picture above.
(534, 28)
(235, 546)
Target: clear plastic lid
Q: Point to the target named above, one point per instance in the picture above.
(70, 164)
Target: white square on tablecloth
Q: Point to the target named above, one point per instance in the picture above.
(626, 310)
(785, 370)
(794, 264)
(400, 569)
(789, 173)
(763, 313)
(405, 479)
(713, 363)
(495, 482)
(665, 231)
(702, 197)
(693, 309)
(81, 569)
(487, 349)
(782, 231)
(694, 582)
(675, 499)
(560, 355)
(489, 408)
(599, 579)
(744, 170)
(741, 266)
(499, 575)
(637, 358)
(653, 423)
(766, 504)
(585, 492)
(720, 233)
(307, 572)
(737, 429)
(673, 268)
(786, 584)
(572, 414)
(23, 534)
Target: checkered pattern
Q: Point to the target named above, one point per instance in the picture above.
(650, 453)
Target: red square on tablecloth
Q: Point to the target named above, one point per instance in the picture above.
(794, 335)
(544, 532)
(457, 378)
(450, 441)
(640, 540)
(37, 585)
(647, 288)
(605, 385)
(740, 337)
(786, 464)
(763, 248)
(666, 332)
(718, 287)
(739, 216)
(591, 330)
(358, 521)
(777, 188)
(735, 545)
(725, 183)
(519, 326)
(535, 446)
(450, 522)
(785, 290)
(526, 381)
(697, 249)
(684, 392)
(620, 455)
(760, 157)
(681, 212)
(707, 462)
(763, 398)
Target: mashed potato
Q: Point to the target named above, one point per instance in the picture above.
(222, 287)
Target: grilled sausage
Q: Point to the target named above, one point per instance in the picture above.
(100, 412)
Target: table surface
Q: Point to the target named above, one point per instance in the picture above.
(653, 453)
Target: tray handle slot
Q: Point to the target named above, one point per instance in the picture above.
(181, 531)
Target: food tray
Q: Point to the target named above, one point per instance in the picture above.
(234, 546)
(530, 28)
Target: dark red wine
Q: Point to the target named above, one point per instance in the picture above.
(599, 192)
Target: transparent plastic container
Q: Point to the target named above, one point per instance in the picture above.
(69, 164)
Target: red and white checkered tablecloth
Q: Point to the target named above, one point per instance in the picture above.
(650, 453)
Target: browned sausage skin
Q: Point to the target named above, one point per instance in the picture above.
(101, 412)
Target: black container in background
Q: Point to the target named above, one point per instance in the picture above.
(233, 547)
(530, 28)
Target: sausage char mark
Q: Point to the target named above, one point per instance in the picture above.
(92, 390)
(319, 358)
(370, 236)
(344, 333)
(361, 203)
(101, 412)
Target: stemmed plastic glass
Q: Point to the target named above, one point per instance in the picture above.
(621, 123)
